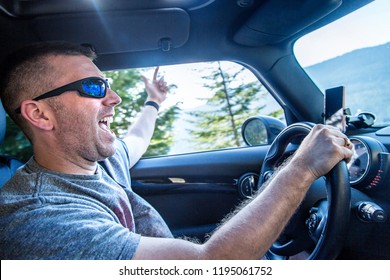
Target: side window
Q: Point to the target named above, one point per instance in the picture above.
(205, 109)
(15, 143)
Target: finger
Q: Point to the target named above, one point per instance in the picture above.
(162, 85)
(155, 73)
(144, 79)
(335, 130)
(348, 154)
(343, 141)
(346, 148)
(347, 143)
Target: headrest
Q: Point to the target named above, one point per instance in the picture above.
(2, 123)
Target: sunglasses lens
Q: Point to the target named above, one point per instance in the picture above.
(94, 87)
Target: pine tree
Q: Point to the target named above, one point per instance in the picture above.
(233, 100)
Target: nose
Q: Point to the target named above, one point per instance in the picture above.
(112, 98)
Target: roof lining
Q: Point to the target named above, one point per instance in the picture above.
(121, 31)
(277, 20)
(33, 8)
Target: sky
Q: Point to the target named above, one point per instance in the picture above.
(375, 14)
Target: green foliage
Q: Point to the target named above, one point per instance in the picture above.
(15, 143)
(163, 137)
(233, 100)
(127, 84)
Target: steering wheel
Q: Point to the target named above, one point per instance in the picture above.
(321, 227)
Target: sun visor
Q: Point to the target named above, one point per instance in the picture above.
(119, 31)
(277, 20)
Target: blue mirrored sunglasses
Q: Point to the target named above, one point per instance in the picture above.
(94, 87)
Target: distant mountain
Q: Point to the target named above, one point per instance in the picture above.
(365, 73)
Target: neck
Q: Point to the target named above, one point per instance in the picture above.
(63, 163)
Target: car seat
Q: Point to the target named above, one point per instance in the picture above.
(8, 164)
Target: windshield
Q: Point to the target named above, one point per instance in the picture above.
(353, 52)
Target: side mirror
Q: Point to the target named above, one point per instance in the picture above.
(261, 130)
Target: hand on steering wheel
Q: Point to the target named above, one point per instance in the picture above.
(328, 229)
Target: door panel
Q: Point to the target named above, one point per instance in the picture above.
(194, 192)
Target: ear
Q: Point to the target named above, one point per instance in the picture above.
(37, 114)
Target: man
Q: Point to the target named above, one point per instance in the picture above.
(73, 199)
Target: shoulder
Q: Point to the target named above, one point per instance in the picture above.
(23, 181)
(118, 165)
(121, 153)
(122, 150)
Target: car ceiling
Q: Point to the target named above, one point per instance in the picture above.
(117, 27)
(132, 33)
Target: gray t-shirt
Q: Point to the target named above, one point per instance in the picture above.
(50, 215)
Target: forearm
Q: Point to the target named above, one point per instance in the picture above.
(250, 233)
(140, 133)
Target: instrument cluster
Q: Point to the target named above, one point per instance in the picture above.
(369, 164)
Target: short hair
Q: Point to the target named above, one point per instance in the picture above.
(27, 73)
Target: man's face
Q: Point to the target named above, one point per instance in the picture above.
(82, 124)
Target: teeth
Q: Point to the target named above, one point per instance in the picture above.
(106, 124)
(106, 120)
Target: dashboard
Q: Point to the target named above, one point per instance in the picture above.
(369, 164)
(369, 172)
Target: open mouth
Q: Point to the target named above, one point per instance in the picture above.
(105, 122)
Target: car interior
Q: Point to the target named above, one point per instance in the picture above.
(8, 164)
(345, 214)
